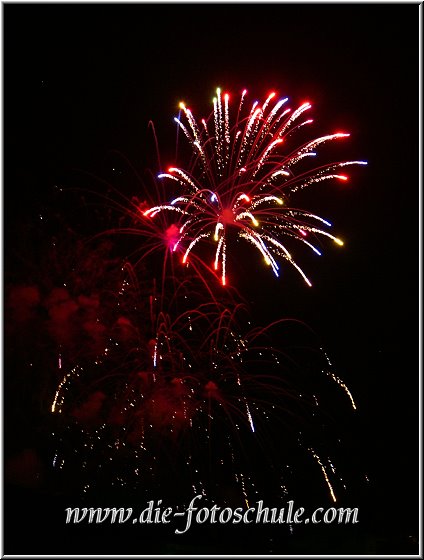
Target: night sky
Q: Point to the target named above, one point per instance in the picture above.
(81, 82)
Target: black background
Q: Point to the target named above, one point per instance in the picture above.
(81, 80)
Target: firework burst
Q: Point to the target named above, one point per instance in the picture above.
(179, 374)
(208, 390)
(240, 180)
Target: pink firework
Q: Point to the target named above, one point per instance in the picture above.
(241, 178)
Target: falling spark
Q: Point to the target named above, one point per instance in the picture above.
(324, 472)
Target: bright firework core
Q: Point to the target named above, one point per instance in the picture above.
(250, 162)
(227, 216)
(171, 235)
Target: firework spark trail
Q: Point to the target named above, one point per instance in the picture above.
(241, 179)
(324, 472)
(59, 397)
(338, 380)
